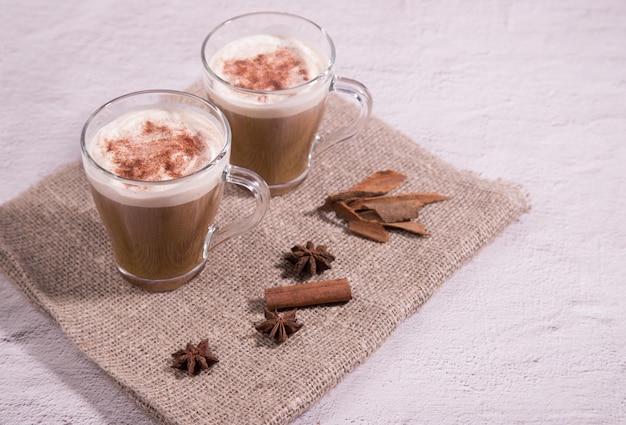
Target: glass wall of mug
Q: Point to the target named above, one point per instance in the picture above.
(157, 162)
(271, 74)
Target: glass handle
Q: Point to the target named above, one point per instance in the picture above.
(357, 92)
(258, 187)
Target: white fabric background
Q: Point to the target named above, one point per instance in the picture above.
(531, 331)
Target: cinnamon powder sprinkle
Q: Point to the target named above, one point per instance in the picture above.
(162, 152)
(278, 70)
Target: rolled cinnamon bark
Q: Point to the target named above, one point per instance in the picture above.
(308, 294)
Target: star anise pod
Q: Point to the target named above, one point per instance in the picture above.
(194, 359)
(279, 327)
(310, 258)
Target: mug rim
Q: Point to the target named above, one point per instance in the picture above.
(326, 72)
(211, 164)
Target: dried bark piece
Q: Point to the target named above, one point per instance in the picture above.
(344, 211)
(367, 228)
(409, 226)
(391, 209)
(369, 215)
(419, 198)
(378, 183)
(368, 210)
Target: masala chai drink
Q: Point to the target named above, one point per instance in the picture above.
(157, 162)
(271, 74)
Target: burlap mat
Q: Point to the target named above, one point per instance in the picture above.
(54, 248)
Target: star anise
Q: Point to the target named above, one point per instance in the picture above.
(279, 327)
(194, 359)
(310, 258)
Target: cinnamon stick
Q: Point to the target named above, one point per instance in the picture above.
(307, 294)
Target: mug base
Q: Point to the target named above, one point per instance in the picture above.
(283, 188)
(161, 285)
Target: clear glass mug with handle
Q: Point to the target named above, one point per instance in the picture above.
(157, 162)
(271, 74)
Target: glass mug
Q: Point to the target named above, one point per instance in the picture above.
(275, 123)
(162, 226)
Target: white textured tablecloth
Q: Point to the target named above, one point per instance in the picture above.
(531, 331)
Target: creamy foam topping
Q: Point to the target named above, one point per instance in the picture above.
(267, 63)
(156, 144)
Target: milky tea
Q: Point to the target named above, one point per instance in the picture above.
(157, 179)
(271, 73)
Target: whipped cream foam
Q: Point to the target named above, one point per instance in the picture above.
(267, 63)
(156, 145)
(270, 64)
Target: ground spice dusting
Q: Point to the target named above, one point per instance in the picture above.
(279, 70)
(160, 152)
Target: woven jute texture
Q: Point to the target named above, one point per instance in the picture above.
(54, 248)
